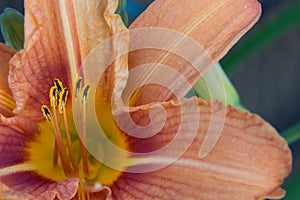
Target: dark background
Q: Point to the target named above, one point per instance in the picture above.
(268, 80)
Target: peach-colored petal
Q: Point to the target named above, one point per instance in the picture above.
(249, 161)
(43, 59)
(58, 37)
(276, 194)
(215, 25)
(7, 103)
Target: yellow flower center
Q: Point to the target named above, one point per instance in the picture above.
(59, 152)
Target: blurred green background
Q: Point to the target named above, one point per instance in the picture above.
(264, 66)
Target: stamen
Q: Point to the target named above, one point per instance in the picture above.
(59, 142)
(78, 84)
(55, 154)
(58, 84)
(53, 96)
(63, 100)
(76, 100)
(85, 93)
(46, 113)
(62, 103)
(84, 158)
(83, 141)
(61, 149)
(82, 193)
(88, 196)
(53, 102)
(70, 147)
(58, 102)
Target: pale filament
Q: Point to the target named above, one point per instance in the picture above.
(83, 138)
(82, 118)
(62, 111)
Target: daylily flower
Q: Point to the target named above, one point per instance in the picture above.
(41, 154)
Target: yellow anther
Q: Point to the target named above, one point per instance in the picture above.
(58, 84)
(53, 96)
(46, 112)
(63, 100)
(85, 93)
(78, 85)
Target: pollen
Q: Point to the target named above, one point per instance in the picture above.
(58, 85)
(46, 113)
(53, 96)
(78, 86)
(63, 100)
(85, 93)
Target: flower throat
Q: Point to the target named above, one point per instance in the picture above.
(58, 119)
(59, 152)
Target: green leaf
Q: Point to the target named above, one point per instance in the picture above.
(292, 187)
(122, 11)
(12, 28)
(292, 134)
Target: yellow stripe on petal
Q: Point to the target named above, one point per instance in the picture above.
(16, 168)
(8, 99)
(7, 103)
(65, 8)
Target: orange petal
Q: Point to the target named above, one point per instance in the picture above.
(58, 37)
(215, 25)
(7, 103)
(249, 161)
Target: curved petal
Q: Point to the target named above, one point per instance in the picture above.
(214, 25)
(29, 185)
(58, 37)
(7, 103)
(43, 59)
(249, 161)
(103, 194)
